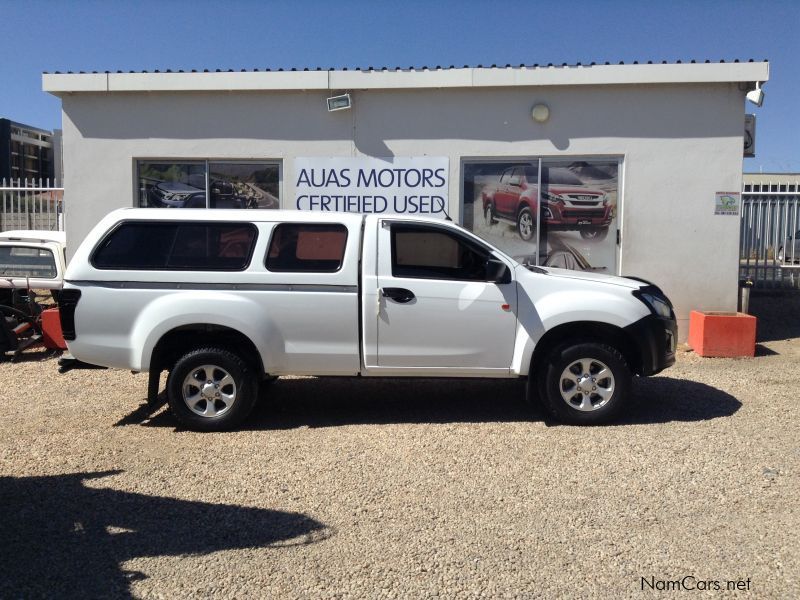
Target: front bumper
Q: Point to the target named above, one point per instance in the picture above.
(557, 215)
(656, 339)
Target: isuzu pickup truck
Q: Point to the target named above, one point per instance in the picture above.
(226, 300)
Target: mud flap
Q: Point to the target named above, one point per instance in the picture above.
(154, 399)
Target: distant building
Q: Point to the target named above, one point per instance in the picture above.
(771, 183)
(25, 152)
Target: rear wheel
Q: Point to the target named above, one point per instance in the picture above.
(584, 383)
(211, 389)
(526, 224)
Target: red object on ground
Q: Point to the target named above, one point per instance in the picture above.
(52, 336)
(722, 334)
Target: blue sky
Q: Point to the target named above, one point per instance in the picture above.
(85, 35)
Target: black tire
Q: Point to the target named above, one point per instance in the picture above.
(595, 233)
(526, 224)
(603, 399)
(489, 215)
(781, 256)
(211, 364)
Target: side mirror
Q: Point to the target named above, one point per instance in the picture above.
(497, 271)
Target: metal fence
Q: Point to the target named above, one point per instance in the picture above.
(31, 204)
(769, 240)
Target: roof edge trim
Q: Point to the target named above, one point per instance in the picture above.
(59, 83)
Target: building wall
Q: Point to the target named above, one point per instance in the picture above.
(680, 144)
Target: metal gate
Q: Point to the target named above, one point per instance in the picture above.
(769, 239)
(31, 204)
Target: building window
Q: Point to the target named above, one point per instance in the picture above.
(208, 184)
(542, 211)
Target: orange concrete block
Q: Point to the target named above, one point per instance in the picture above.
(722, 334)
(52, 336)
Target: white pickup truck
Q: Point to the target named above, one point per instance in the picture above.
(225, 300)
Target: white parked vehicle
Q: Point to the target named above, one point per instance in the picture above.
(32, 259)
(225, 300)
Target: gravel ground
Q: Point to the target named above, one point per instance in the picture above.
(405, 489)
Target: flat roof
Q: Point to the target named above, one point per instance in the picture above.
(384, 78)
(24, 126)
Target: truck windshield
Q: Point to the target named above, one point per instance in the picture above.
(559, 176)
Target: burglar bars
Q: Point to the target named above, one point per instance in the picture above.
(769, 244)
(31, 204)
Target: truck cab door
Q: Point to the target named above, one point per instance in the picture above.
(445, 303)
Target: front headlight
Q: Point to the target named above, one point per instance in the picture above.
(658, 304)
(552, 197)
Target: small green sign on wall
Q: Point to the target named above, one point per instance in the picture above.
(727, 203)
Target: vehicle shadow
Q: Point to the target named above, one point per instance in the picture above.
(333, 402)
(666, 399)
(32, 355)
(61, 538)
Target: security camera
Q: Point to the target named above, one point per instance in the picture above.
(756, 96)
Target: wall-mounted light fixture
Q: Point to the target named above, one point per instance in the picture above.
(342, 102)
(540, 112)
(756, 96)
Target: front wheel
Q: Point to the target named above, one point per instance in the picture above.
(526, 224)
(595, 233)
(584, 383)
(211, 389)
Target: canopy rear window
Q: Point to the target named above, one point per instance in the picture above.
(27, 261)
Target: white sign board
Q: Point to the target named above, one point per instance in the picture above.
(405, 185)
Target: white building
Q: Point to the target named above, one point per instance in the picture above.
(630, 165)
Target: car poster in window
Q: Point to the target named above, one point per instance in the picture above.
(243, 185)
(231, 184)
(172, 184)
(556, 213)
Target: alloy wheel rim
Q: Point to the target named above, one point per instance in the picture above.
(525, 224)
(209, 391)
(587, 384)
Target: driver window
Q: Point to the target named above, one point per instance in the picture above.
(431, 253)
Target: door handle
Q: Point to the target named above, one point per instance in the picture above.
(401, 295)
